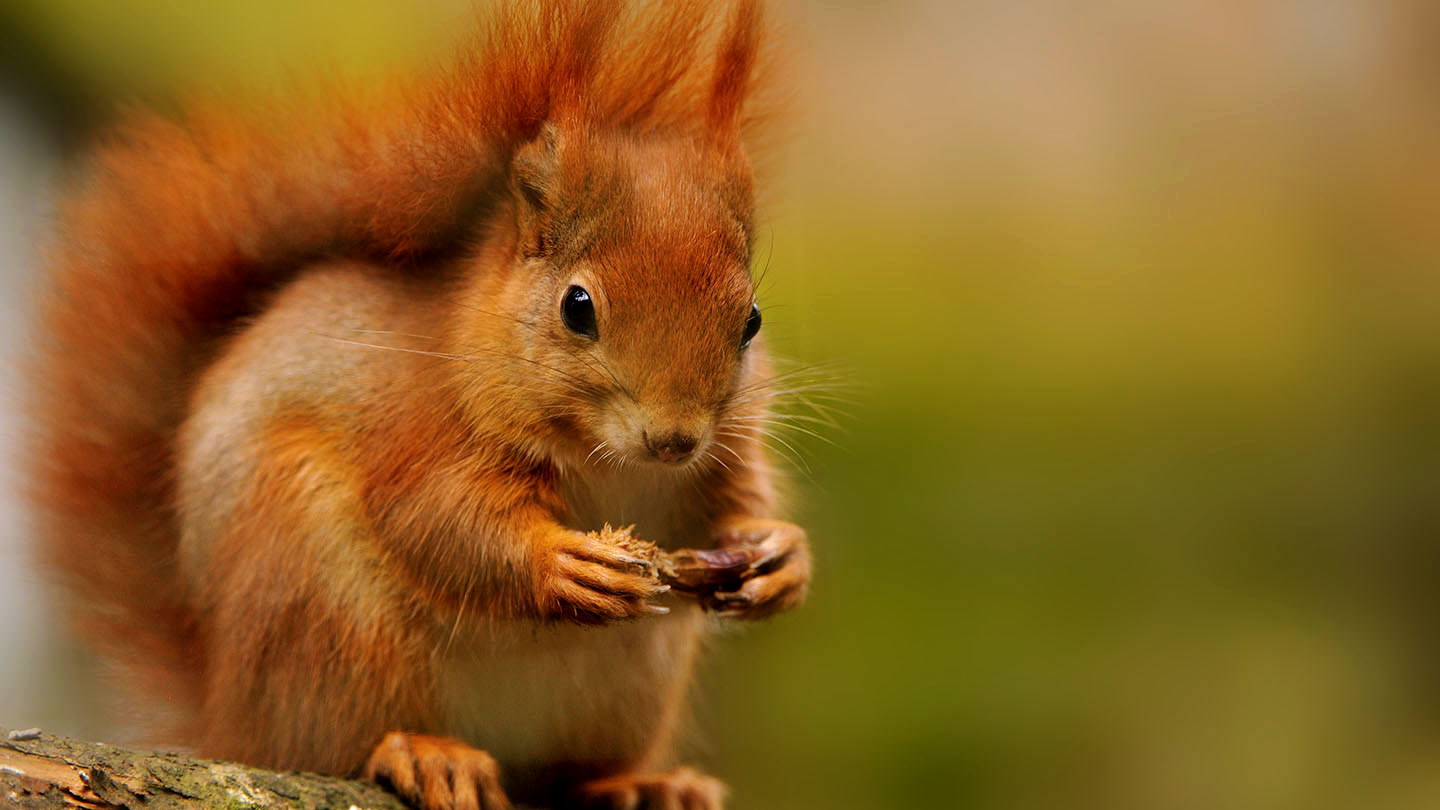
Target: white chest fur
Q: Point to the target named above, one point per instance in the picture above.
(534, 694)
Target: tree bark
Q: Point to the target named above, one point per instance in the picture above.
(45, 772)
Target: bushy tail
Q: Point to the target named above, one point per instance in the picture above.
(181, 226)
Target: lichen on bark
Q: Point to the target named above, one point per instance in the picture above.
(47, 772)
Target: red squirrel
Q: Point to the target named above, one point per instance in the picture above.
(331, 398)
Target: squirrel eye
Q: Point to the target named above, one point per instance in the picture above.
(752, 326)
(578, 313)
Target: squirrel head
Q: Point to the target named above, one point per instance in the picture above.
(635, 321)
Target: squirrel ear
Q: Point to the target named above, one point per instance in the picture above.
(535, 165)
(734, 66)
(533, 173)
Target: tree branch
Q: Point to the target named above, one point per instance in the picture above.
(46, 772)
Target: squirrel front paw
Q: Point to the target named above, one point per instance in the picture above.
(589, 580)
(779, 574)
(436, 773)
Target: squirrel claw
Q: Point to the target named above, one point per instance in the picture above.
(436, 773)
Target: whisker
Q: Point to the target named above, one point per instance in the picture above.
(442, 355)
(491, 314)
(599, 364)
(790, 452)
(796, 428)
(718, 460)
(765, 268)
(783, 417)
(731, 451)
(396, 334)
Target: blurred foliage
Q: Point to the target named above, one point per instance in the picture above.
(1132, 502)
(155, 46)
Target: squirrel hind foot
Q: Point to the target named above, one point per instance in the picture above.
(683, 788)
(436, 773)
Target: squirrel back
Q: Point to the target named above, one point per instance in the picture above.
(182, 228)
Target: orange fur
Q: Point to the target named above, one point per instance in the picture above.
(315, 450)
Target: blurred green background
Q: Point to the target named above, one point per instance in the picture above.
(1134, 498)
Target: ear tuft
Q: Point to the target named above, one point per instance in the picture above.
(734, 69)
(533, 174)
(535, 166)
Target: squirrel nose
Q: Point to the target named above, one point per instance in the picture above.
(672, 448)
